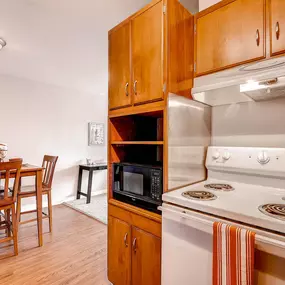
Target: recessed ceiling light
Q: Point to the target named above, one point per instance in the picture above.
(2, 43)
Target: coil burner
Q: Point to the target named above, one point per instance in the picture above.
(199, 195)
(219, 187)
(276, 211)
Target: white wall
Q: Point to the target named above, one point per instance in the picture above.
(191, 5)
(38, 119)
(256, 124)
(52, 71)
(203, 4)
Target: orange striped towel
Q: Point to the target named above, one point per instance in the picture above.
(233, 255)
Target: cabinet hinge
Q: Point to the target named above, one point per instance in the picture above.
(164, 9)
(195, 29)
(195, 67)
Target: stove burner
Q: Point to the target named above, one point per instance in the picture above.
(219, 187)
(199, 195)
(273, 210)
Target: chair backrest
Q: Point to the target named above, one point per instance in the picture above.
(8, 169)
(49, 163)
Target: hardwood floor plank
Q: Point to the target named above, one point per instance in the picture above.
(75, 253)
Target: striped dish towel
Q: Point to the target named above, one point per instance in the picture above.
(233, 255)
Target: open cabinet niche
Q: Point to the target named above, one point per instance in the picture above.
(143, 128)
(136, 139)
(139, 154)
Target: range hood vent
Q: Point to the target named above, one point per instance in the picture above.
(260, 81)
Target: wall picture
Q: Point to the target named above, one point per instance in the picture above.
(95, 133)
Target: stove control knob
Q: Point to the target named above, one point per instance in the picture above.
(263, 158)
(226, 155)
(216, 155)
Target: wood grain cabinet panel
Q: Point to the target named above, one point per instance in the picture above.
(119, 67)
(152, 51)
(119, 251)
(146, 258)
(277, 22)
(147, 55)
(231, 35)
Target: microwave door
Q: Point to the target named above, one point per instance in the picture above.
(133, 182)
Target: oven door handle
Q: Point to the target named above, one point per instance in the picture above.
(263, 243)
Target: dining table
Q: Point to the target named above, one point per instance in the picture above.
(29, 170)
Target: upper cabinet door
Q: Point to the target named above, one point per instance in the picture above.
(146, 258)
(231, 35)
(277, 15)
(147, 54)
(119, 67)
(119, 254)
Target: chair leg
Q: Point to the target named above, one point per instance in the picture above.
(49, 211)
(15, 229)
(18, 209)
(8, 219)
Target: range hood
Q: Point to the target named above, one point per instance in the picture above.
(259, 81)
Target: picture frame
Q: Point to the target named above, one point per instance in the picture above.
(96, 134)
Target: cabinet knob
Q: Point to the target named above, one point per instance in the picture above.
(135, 244)
(135, 87)
(257, 37)
(277, 30)
(125, 240)
(127, 89)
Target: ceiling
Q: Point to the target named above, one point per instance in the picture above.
(61, 42)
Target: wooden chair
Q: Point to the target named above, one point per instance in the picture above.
(7, 201)
(49, 163)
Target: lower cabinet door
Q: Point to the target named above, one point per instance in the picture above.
(146, 258)
(119, 254)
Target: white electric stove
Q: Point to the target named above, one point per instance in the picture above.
(246, 188)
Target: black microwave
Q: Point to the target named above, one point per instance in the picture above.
(138, 184)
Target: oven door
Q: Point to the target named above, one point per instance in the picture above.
(187, 249)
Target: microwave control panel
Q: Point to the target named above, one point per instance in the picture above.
(156, 184)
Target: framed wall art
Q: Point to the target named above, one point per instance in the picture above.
(95, 133)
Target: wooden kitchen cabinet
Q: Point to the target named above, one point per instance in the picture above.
(134, 255)
(277, 26)
(119, 251)
(150, 55)
(146, 255)
(119, 67)
(134, 245)
(230, 33)
(146, 55)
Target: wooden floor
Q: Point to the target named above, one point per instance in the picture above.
(75, 253)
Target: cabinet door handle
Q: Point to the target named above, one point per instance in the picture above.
(125, 240)
(135, 87)
(126, 89)
(135, 244)
(277, 30)
(257, 37)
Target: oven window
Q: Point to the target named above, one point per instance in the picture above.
(133, 182)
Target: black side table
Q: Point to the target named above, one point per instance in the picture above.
(89, 168)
